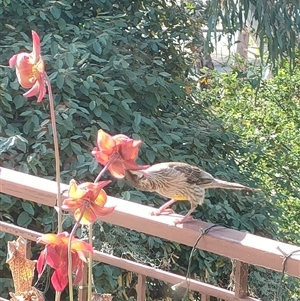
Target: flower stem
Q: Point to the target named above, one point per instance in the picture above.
(57, 163)
(90, 269)
(56, 154)
(71, 298)
(111, 160)
(57, 296)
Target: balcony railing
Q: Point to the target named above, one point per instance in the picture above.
(243, 247)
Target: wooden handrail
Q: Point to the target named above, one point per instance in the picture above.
(241, 246)
(139, 269)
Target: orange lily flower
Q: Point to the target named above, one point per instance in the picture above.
(119, 151)
(55, 254)
(30, 69)
(88, 197)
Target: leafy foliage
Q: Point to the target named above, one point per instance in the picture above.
(267, 120)
(121, 66)
(275, 25)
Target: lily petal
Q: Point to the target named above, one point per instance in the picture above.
(79, 245)
(78, 275)
(69, 204)
(74, 192)
(33, 91)
(42, 90)
(40, 263)
(88, 217)
(102, 211)
(101, 198)
(105, 142)
(59, 281)
(36, 51)
(117, 169)
(49, 238)
(13, 60)
(53, 256)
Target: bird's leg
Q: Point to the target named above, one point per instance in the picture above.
(164, 208)
(186, 218)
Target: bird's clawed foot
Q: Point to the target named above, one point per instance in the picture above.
(185, 219)
(165, 208)
(160, 212)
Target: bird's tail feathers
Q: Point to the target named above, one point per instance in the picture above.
(229, 185)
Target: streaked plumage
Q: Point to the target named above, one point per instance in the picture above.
(179, 182)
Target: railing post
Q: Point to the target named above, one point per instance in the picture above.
(141, 288)
(82, 287)
(241, 279)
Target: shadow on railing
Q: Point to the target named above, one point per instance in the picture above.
(243, 247)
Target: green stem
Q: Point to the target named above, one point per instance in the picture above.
(57, 163)
(71, 298)
(57, 296)
(56, 154)
(90, 269)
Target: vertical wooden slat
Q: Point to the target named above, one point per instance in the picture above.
(141, 288)
(82, 287)
(28, 249)
(241, 279)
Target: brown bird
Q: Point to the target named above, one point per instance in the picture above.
(179, 182)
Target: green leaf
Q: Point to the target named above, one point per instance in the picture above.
(42, 15)
(125, 103)
(92, 105)
(61, 24)
(60, 80)
(59, 63)
(55, 11)
(41, 134)
(19, 101)
(109, 88)
(69, 59)
(150, 154)
(151, 80)
(24, 219)
(97, 47)
(28, 207)
(54, 47)
(76, 148)
(165, 74)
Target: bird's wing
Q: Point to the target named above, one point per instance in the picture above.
(193, 174)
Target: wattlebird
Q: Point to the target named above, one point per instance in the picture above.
(179, 182)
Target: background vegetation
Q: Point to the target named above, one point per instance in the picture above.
(125, 67)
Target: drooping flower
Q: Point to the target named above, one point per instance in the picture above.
(88, 200)
(55, 255)
(119, 151)
(30, 69)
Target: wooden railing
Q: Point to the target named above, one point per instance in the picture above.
(245, 248)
